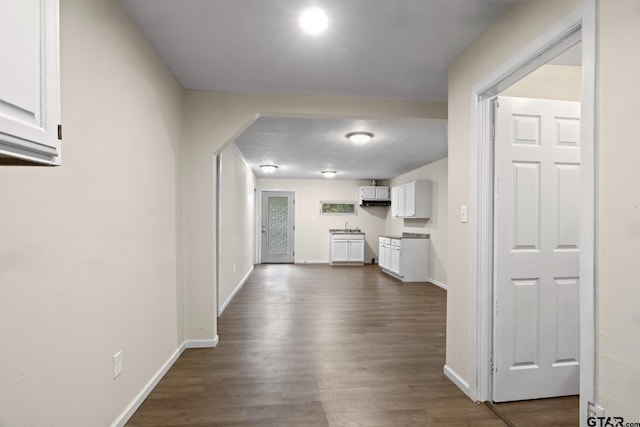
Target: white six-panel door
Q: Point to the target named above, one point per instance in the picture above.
(536, 318)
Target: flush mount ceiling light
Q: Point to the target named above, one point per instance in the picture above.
(359, 137)
(268, 168)
(329, 174)
(313, 21)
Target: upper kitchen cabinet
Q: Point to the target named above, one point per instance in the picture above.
(373, 195)
(30, 81)
(411, 200)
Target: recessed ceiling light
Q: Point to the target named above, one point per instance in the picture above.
(314, 21)
(329, 174)
(359, 137)
(268, 168)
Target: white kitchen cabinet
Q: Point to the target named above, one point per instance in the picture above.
(347, 248)
(30, 83)
(405, 258)
(373, 195)
(411, 199)
(394, 264)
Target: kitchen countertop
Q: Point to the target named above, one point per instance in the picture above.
(343, 231)
(407, 236)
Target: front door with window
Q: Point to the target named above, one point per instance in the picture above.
(277, 226)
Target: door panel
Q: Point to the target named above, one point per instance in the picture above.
(536, 214)
(277, 227)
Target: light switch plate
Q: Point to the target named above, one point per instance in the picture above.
(464, 217)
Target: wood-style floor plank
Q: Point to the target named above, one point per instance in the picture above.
(319, 346)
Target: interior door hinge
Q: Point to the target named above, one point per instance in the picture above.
(60, 132)
(491, 366)
(496, 308)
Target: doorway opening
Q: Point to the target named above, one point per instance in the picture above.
(576, 29)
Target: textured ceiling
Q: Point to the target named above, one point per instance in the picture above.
(376, 48)
(302, 147)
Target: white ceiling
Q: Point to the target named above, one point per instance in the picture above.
(303, 147)
(373, 48)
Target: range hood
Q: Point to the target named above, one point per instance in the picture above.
(375, 203)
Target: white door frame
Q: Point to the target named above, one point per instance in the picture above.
(580, 25)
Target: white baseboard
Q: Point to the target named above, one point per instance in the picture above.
(311, 261)
(201, 343)
(438, 284)
(235, 291)
(457, 380)
(153, 382)
(140, 397)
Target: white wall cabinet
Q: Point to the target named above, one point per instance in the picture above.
(411, 199)
(406, 259)
(379, 193)
(347, 248)
(30, 83)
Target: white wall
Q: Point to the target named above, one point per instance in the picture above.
(559, 82)
(90, 252)
(618, 232)
(212, 120)
(522, 23)
(312, 229)
(237, 183)
(436, 226)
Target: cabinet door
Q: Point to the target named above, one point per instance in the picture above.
(382, 193)
(382, 260)
(340, 250)
(356, 250)
(395, 260)
(410, 199)
(368, 193)
(402, 204)
(29, 87)
(394, 202)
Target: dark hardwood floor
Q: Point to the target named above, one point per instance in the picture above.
(319, 346)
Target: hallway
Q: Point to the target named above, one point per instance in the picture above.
(319, 346)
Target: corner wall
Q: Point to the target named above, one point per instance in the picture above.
(436, 226)
(237, 183)
(618, 233)
(90, 252)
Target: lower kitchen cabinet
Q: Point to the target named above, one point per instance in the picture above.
(347, 248)
(404, 258)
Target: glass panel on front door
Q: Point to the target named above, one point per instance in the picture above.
(278, 225)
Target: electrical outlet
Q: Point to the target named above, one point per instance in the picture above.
(117, 364)
(595, 410)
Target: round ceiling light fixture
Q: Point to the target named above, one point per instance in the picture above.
(329, 174)
(314, 21)
(359, 137)
(268, 168)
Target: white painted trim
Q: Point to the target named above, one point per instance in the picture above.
(481, 199)
(235, 291)
(438, 283)
(208, 343)
(140, 397)
(457, 380)
(310, 261)
(588, 219)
